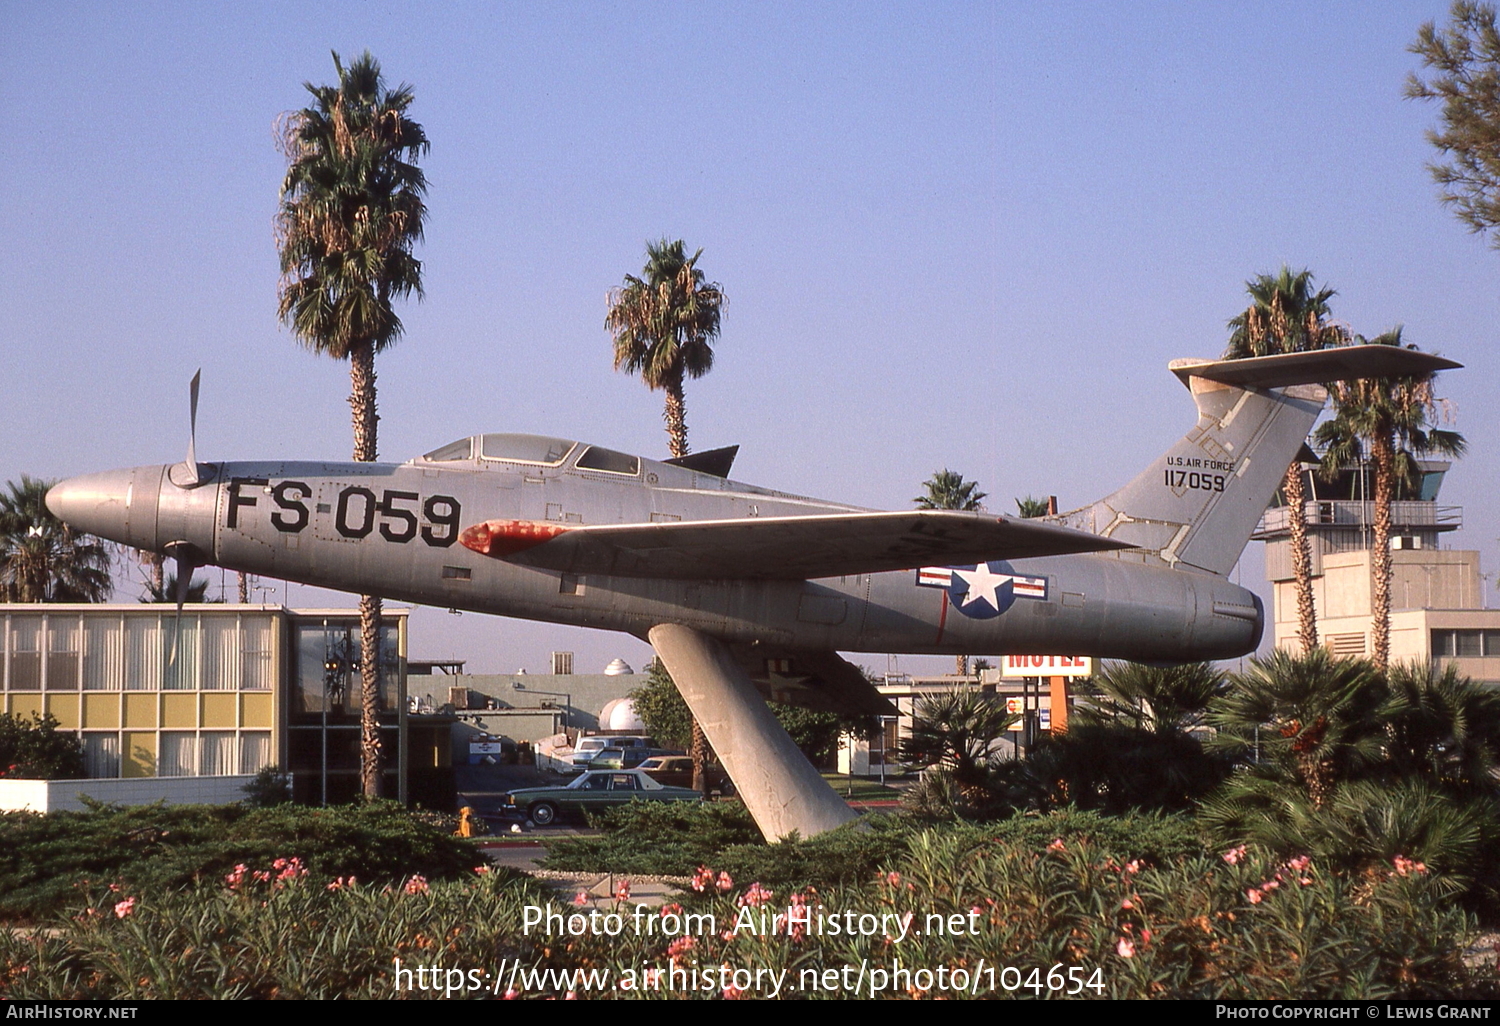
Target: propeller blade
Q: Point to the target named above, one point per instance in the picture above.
(182, 554)
(190, 464)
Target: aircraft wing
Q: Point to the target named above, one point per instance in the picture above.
(787, 548)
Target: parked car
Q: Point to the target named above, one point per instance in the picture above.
(676, 770)
(594, 790)
(627, 758)
(588, 748)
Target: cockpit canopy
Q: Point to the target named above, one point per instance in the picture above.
(535, 450)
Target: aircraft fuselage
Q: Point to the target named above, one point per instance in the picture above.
(395, 530)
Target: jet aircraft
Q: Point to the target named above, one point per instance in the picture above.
(746, 592)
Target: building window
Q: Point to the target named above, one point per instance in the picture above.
(255, 751)
(179, 754)
(26, 653)
(217, 754)
(62, 653)
(101, 755)
(1465, 644)
(143, 653)
(103, 654)
(260, 667)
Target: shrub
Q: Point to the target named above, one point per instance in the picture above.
(159, 847)
(34, 749)
(1244, 925)
(268, 787)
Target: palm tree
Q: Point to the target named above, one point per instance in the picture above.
(41, 559)
(197, 591)
(1442, 727)
(1287, 316)
(351, 210)
(1315, 717)
(1160, 699)
(947, 489)
(664, 324)
(1388, 422)
(1030, 508)
(957, 730)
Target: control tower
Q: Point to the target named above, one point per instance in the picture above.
(1437, 594)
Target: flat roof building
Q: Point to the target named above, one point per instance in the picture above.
(224, 690)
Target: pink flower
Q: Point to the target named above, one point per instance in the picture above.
(732, 993)
(679, 946)
(482, 870)
(417, 884)
(1127, 903)
(1145, 936)
(124, 908)
(1299, 863)
(725, 883)
(512, 994)
(622, 892)
(1405, 866)
(756, 896)
(1133, 866)
(893, 878)
(1254, 896)
(702, 878)
(1057, 845)
(234, 879)
(1233, 855)
(1125, 947)
(581, 898)
(671, 909)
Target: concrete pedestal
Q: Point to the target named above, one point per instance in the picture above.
(778, 785)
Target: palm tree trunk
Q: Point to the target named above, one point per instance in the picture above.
(244, 588)
(366, 421)
(362, 400)
(369, 695)
(1296, 501)
(1383, 451)
(675, 415)
(154, 568)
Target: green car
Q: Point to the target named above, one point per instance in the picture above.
(594, 790)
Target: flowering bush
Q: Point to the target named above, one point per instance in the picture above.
(1183, 926)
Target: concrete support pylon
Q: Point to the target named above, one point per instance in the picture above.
(782, 790)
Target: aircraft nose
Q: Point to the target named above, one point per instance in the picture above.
(119, 505)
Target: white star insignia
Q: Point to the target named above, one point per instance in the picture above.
(982, 584)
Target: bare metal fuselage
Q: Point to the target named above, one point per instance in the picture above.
(394, 530)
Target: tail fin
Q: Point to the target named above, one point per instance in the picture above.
(1198, 504)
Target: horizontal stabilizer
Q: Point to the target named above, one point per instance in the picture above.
(779, 548)
(1337, 364)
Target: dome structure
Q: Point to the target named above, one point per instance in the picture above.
(620, 714)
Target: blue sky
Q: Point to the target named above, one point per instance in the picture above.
(961, 235)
